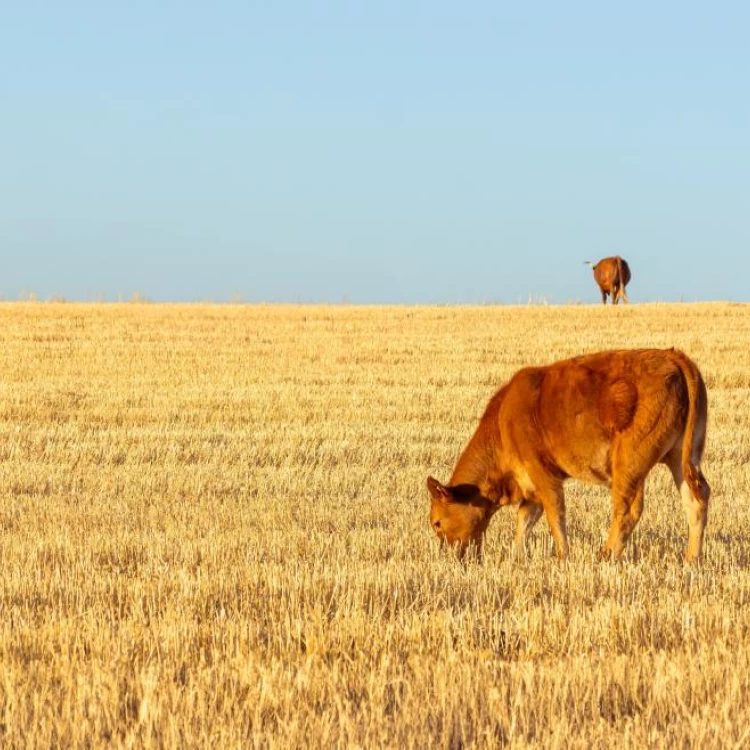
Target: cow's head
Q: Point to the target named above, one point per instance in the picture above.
(459, 515)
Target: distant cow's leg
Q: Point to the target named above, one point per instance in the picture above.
(615, 294)
(627, 507)
(528, 514)
(553, 502)
(624, 294)
(696, 508)
(604, 297)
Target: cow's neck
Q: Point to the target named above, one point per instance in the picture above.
(478, 464)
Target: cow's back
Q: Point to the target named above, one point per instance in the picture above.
(567, 414)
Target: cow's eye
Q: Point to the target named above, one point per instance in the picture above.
(436, 524)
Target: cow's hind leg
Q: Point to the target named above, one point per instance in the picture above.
(627, 508)
(696, 508)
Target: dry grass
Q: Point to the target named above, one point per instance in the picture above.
(213, 529)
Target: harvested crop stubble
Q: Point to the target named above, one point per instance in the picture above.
(214, 534)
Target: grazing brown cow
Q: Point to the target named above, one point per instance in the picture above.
(604, 418)
(612, 275)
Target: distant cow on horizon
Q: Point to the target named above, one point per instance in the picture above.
(612, 275)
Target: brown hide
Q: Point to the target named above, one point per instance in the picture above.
(604, 418)
(612, 275)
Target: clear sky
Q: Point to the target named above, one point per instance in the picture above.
(388, 151)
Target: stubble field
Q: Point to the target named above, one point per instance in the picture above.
(214, 534)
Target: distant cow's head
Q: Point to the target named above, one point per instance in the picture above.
(459, 515)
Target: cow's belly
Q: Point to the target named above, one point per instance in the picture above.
(587, 459)
(595, 469)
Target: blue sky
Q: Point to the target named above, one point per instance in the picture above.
(403, 152)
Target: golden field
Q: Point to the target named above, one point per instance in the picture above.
(214, 534)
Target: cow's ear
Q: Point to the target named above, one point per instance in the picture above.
(438, 491)
(464, 493)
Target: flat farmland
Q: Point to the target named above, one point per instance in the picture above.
(213, 525)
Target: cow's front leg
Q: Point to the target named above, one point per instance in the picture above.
(529, 512)
(553, 502)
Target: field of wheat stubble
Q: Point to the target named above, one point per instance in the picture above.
(214, 534)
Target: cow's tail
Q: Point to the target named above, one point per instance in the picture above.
(619, 282)
(697, 410)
